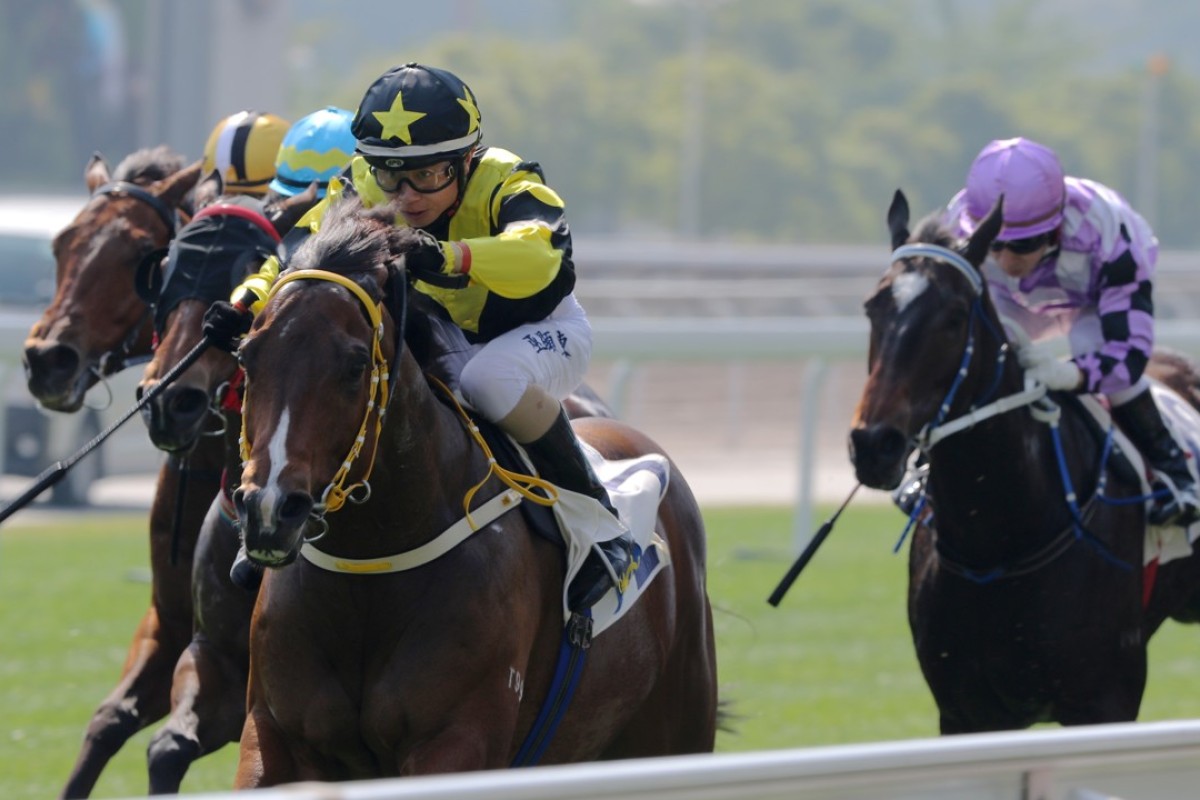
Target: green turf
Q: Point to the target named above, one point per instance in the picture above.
(833, 664)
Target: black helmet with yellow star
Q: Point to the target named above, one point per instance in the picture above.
(413, 116)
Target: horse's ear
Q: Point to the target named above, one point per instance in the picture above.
(174, 188)
(95, 174)
(285, 212)
(897, 219)
(977, 246)
(208, 189)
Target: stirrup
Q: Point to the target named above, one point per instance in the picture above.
(1179, 508)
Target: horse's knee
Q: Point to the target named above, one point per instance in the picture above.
(113, 724)
(168, 757)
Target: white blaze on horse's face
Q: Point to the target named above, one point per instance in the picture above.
(270, 494)
(908, 287)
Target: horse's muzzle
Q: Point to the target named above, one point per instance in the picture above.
(272, 525)
(879, 454)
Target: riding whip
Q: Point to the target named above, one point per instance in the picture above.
(806, 556)
(55, 472)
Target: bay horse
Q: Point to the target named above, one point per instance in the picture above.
(442, 667)
(1025, 605)
(96, 325)
(213, 253)
(208, 694)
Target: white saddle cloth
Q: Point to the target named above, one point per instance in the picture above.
(636, 487)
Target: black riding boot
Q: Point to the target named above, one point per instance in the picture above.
(560, 460)
(1142, 423)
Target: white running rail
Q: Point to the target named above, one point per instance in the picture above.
(1135, 761)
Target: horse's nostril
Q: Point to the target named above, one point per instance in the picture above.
(188, 403)
(296, 507)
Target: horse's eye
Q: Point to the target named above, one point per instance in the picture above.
(354, 368)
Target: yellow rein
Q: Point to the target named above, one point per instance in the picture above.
(336, 493)
(520, 483)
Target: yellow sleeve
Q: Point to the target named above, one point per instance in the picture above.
(257, 286)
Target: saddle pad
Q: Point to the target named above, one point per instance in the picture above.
(1168, 542)
(636, 487)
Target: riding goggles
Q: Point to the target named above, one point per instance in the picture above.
(1022, 247)
(425, 180)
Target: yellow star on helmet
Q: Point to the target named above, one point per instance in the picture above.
(395, 120)
(468, 103)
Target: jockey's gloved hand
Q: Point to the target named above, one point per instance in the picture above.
(1057, 375)
(426, 257)
(426, 261)
(1034, 354)
(225, 323)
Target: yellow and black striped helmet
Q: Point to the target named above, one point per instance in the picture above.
(242, 148)
(415, 115)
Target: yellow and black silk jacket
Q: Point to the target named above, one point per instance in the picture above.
(515, 228)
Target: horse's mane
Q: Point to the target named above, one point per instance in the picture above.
(149, 164)
(353, 238)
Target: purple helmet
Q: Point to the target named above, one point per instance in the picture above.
(1029, 176)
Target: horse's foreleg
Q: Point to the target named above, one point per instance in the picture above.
(208, 709)
(264, 759)
(138, 700)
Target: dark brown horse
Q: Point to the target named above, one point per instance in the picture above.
(96, 325)
(1024, 607)
(442, 667)
(214, 253)
(208, 704)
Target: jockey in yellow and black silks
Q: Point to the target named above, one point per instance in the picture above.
(496, 256)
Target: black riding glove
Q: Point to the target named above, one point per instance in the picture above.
(426, 261)
(225, 323)
(426, 257)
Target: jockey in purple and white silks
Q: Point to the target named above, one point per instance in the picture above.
(1075, 259)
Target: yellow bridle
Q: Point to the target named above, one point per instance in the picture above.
(336, 493)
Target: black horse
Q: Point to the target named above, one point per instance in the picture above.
(1025, 605)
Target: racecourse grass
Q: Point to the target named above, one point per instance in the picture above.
(833, 664)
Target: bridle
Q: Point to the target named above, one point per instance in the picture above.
(382, 385)
(984, 407)
(113, 361)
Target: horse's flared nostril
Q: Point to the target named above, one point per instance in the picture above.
(295, 509)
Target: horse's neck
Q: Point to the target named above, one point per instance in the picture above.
(996, 472)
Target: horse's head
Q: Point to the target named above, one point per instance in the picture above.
(228, 239)
(927, 356)
(95, 321)
(319, 369)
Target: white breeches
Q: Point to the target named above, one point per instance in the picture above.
(552, 354)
